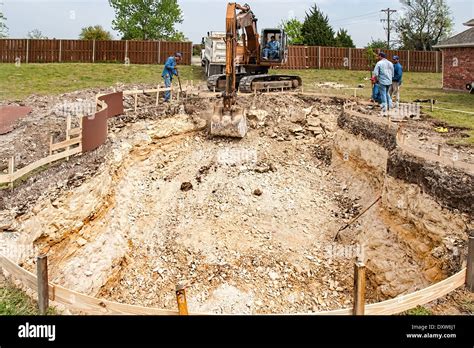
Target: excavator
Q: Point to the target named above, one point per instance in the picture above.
(247, 49)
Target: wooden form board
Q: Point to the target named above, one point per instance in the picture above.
(65, 144)
(90, 305)
(9, 178)
(417, 298)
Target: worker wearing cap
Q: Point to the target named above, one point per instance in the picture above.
(169, 71)
(384, 73)
(397, 78)
(272, 49)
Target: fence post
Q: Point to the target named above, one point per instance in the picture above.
(350, 58)
(93, 51)
(359, 288)
(60, 50)
(319, 57)
(126, 50)
(159, 52)
(27, 50)
(470, 262)
(306, 65)
(43, 287)
(408, 60)
(437, 61)
(181, 298)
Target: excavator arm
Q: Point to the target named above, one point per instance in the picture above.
(244, 20)
(229, 120)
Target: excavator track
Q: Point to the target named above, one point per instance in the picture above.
(260, 83)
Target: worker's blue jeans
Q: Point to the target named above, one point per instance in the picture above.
(271, 54)
(167, 79)
(385, 97)
(376, 93)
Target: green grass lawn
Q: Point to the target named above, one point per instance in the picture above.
(15, 302)
(19, 82)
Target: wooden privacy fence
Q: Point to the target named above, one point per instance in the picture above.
(156, 52)
(318, 57)
(91, 51)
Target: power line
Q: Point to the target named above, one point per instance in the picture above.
(389, 22)
(353, 17)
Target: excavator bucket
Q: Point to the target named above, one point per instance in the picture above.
(231, 123)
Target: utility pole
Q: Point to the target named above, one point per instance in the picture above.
(389, 22)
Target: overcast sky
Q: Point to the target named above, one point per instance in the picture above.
(63, 19)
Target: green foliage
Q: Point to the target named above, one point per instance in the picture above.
(343, 39)
(316, 30)
(419, 310)
(371, 55)
(3, 26)
(423, 24)
(178, 36)
(292, 28)
(197, 49)
(147, 19)
(95, 33)
(36, 34)
(15, 302)
(377, 44)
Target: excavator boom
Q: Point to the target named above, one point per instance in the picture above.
(228, 119)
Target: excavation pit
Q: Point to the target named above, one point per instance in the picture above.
(248, 225)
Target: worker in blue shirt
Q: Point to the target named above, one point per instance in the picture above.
(169, 71)
(272, 49)
(397, 78)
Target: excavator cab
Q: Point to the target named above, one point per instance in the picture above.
(274, 47)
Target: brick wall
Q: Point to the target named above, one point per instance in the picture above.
(456, 77)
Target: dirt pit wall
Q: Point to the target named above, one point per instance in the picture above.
(427, 204)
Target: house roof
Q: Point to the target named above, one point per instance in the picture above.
(469, 23)
(464, 39)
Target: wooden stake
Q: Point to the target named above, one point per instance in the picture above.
(439, 149)
(11, 170)
(51, 145)
(43, 287)
(136, 101)
(431, 102)
(157, 95)
(470, 262)
(359, 288)
(68, 132)
(181, 299)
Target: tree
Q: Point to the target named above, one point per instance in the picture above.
(316, 30)
(423, 24)
(292, 28)
(36, 34)
(95, 33)
(3, 26)
(377, 43)
(147, 19)
(343, 39)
